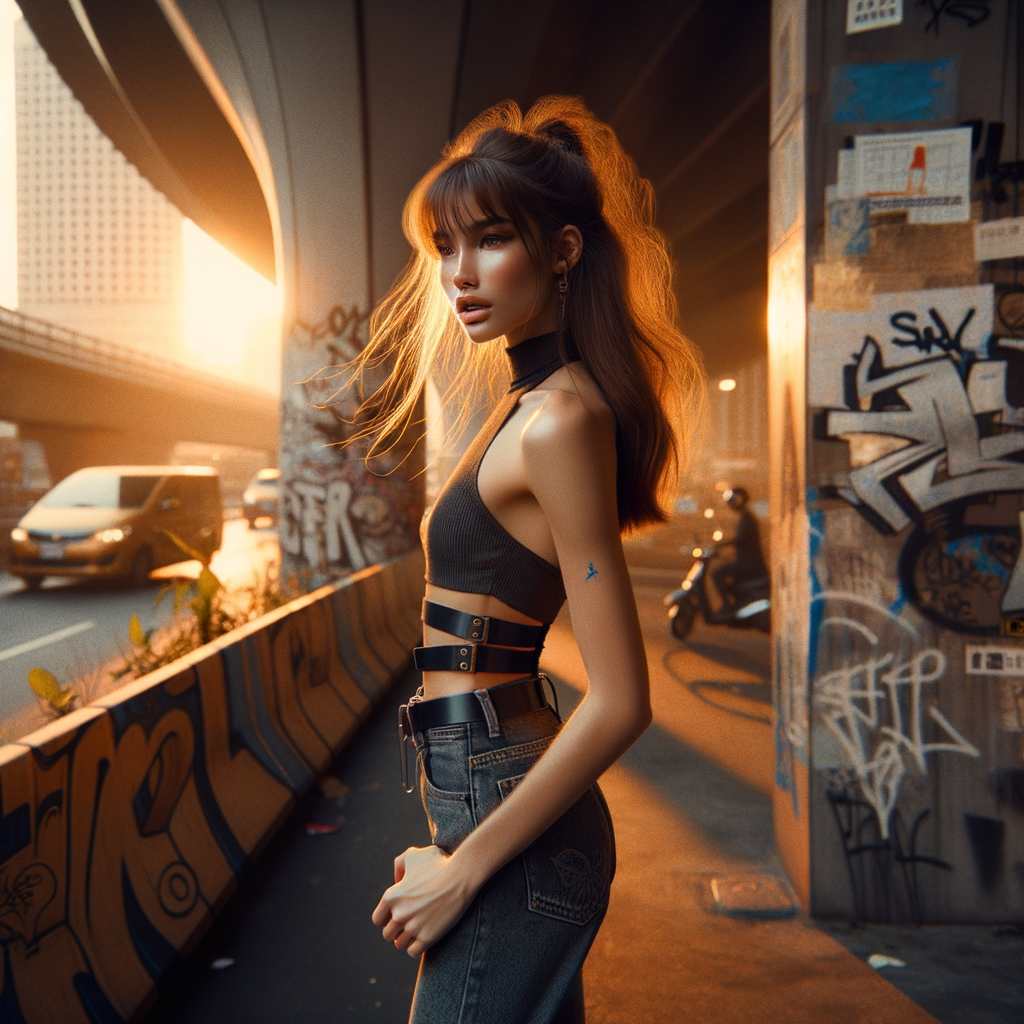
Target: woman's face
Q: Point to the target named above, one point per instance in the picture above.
(491, 282)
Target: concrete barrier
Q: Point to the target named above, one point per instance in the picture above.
(125, 826)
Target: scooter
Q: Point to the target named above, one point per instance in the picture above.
(751, 608)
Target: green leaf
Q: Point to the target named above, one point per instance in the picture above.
(46, 686)
(180, 593)
(136, 633)
(164, 591)
(188, 549)
(207, 585)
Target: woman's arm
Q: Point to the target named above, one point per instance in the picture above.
(568, 451)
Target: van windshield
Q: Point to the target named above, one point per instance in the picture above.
(91, 490)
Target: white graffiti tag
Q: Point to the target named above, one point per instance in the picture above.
(863, 707)
(944, 457)
(316, 524)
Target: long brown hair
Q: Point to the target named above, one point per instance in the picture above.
(558, 165)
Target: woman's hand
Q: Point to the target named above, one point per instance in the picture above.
(427, 899)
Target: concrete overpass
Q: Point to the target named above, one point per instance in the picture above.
(91, 402)
(684, 83)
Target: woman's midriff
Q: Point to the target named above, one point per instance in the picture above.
(444, 684)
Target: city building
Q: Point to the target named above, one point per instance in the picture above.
(99, 248)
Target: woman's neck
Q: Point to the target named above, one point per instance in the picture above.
(535, 358)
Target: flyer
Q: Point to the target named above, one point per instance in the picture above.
(927, 174)
(1001, 239)
(864, 15)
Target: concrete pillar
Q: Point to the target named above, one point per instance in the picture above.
(896, 339)
(340, 107)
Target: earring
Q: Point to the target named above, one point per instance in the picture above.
(563, 290)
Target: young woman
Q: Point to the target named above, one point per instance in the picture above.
(536, 261)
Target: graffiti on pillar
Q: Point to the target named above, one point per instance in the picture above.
(937, 445)
(337, 514)
(969, 12)
(877, 706)
(879, 729)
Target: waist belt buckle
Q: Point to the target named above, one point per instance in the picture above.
(479, 628)
(467, 658)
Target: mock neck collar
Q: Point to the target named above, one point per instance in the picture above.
(536, 358)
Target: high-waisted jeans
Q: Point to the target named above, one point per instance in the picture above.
(516, 955)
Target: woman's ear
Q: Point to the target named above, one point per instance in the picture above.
(567, 247)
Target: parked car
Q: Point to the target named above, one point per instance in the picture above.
(24, 479)
(262, 496)
(115, 521)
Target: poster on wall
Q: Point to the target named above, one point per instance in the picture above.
(926, 174)
(864, 15)
(1001, 239)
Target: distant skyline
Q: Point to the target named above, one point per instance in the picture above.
(220, 314)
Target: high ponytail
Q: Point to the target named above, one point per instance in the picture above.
(556, 165)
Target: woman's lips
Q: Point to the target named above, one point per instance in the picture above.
(471, 314)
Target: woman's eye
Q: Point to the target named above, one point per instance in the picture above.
(489, 240)
(444, 250)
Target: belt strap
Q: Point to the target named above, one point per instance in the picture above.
(508, 699)
(474, 658)
(483, 629)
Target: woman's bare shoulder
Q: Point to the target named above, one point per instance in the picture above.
(570, 412)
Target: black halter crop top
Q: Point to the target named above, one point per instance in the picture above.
(467, 549)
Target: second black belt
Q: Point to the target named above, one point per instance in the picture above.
(474, 658)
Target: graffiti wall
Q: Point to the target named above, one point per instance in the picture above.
(914, 487)
(126, 826)
(338, 514)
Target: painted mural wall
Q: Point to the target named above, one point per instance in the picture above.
(914, 487)
(125, 827)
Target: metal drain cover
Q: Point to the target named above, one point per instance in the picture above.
(752, 896)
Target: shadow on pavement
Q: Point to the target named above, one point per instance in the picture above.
(731, 657)
(731, 815)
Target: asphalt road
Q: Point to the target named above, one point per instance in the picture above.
(73, 626)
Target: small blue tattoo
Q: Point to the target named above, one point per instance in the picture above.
(591, 571)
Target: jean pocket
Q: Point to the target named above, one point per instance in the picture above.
(449, 814)
(569, 867)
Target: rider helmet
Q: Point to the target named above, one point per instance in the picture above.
(735, 497)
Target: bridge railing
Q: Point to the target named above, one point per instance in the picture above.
(126, 826)
(40, 339)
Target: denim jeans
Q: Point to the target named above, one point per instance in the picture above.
(516, 955)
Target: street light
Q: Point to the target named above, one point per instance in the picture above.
(727, 384)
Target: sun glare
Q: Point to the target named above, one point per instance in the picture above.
(226, 301)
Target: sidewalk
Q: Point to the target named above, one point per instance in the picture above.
(690, 802)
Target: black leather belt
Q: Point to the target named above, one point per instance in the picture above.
(474, 658)
(507, 699)
(487, 706)
(480, 654)
(482, 629)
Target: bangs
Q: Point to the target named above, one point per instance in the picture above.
(463, 192)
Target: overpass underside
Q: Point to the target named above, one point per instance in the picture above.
(93, 403)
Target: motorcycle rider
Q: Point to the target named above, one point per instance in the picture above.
(749, 563)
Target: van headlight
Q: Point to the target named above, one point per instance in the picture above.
(18, 535)
(113, 535)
